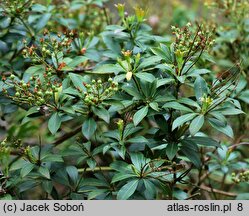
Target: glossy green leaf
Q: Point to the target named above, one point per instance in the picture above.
(102, 113)
(196, 124)
(44, 171)
(205, 141)
(127, 190)
(177, 106)
(139, 115)
(182, 119)
(171, 150)
(200, 87)
(221, 126)
(72, 172)
(27, 169)
(54, 123)
(145, 76)
(190, 150)
(89, 127)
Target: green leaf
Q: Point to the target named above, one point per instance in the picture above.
(33, 70)
(154, 106)
(163, 52)
(191, 151)
(137, 139)
(102, 113)
(43, 21)
(197, 72)
(95, 193)
(205, 141)
(91, 163)
(200, 87)
(27, 169)
(27, 185)
(44, 171)
(196, 124)
(76, 61)
(182, 119)
(108, 69)
(54, 123)
(89, 127)
(47, 185)
(244, 96)
(78, 81)
(150, 61)
(189, 102)
(221, 126)
(164, 81)
(243, 196)
(122, 176)
(231, 111)
(176, 106)
(171, 150)
(52, 158)
(145, 76)
(132, 91)
(150, 189)
(72, 173)
(19, 164)
(138, 160)
(127, 190)
(139, 115)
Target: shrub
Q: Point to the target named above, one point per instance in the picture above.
(115, 113)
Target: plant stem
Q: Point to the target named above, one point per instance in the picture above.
(30, 31)
(105, 168)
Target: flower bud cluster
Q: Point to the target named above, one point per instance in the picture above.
(29, 155)
(16, 8)
(241, 177)
(132, 62)
(36, 92)
(232, 9)
(206, 101)
(95, 19)
(191, 39)
(97, 91)
(48, 46)
(7, 145)
(89, 16)
(4, 148)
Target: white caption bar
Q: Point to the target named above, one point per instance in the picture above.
(124, 208)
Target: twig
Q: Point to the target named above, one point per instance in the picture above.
(67, 136)
(95, 169)
(194, 195)
(212, 190)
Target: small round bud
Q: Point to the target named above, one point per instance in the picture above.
(12, 76)
(39, 93)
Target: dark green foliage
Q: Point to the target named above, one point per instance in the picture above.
(120, 113)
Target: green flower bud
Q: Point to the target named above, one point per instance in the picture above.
(41, 100)
(39, 93)
(12, 76)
